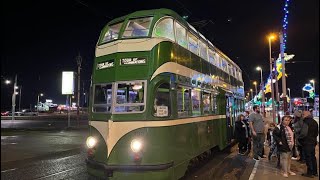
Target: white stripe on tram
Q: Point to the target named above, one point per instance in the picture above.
(113, 131)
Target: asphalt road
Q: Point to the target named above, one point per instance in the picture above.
(51, 121)
(61, 155)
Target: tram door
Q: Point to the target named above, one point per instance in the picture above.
(229, 118)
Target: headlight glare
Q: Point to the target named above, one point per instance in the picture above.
(91, 142)
(136, 145)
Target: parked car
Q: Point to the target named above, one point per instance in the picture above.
(16, 113)
(28, 112)
(5, 113)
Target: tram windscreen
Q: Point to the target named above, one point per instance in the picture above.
(138, 27)
(102, 98)
(112, 32)
(130, 97)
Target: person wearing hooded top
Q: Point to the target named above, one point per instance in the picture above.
(308, 138)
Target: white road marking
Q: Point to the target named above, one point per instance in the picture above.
(254, 170)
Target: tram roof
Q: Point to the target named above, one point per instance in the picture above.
(169, 12)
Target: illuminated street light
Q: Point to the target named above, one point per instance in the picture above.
(270, 38)
(262, 91)
(7, 81)
(255, 85)
(41, 94)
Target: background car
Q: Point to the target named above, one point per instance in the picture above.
(28, 112)
(5, 113)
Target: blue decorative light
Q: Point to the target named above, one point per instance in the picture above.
(285, 23)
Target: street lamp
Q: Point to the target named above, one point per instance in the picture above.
(255, 85)
(41, 94)
(271, 37)
(7, 81)
(262, 91)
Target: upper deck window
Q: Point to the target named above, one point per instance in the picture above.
(138, 27)
(181, 35)
(164, 28)
(203, 50)
(112, 32)
(193, 43)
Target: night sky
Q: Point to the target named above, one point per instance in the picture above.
(43, 38)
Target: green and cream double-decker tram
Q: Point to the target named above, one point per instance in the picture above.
(161, 95)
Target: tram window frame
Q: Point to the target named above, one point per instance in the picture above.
(196, 112)
(209, 106)
(131, 32)
(98, 107)
(181, 34)
(162, 101)
(129, 107)
(172, 30)
(215, 107)
(193, 43)
(119, 26)
(186, 108)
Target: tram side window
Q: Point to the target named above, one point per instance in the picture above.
(138, 27)
(112, 33)
(184, 101)
(214, 105)
(102, 98)
(195, 95)
(203, 50)
(164, 29)
(206, 99)
(181, 35)
(130, 97)
(162, 103)
(193, 43)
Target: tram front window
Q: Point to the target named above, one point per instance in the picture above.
(112, 33)
(130, 97)
(102, 98)
(137, 27)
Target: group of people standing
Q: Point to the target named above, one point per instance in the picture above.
(284, 139)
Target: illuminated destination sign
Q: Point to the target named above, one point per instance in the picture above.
(128, 61)
(106, 64)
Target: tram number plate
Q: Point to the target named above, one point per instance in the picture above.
(162, 111)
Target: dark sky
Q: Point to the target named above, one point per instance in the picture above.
(42, 38)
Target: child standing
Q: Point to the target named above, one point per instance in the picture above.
(272, 142)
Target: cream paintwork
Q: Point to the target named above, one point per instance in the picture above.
(117, 130)
(128, 45)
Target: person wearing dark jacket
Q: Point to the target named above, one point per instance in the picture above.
(283, 135)
(308, 138)
(242, 134)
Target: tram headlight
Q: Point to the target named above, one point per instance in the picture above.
(91, 142)
(136, 145)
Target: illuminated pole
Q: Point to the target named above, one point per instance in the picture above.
(20, 94)
(251, 93)
(271, 73)
(79, 60)
(14, 99)
(255, 85)
(262, 91)
(314, 87)
(290, 108)
(284, 88)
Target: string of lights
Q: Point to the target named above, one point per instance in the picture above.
(285, 23)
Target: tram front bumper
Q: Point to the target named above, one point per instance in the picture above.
(108, 169)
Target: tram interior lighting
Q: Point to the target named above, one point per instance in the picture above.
(137, 87)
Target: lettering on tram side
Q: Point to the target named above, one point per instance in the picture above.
(129, 61)
(106, 64)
